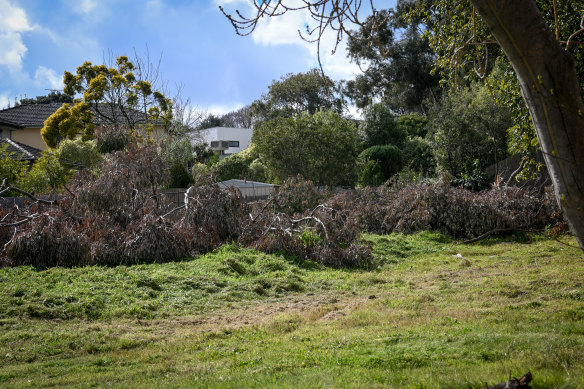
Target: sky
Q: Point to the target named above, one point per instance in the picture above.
(198, 49)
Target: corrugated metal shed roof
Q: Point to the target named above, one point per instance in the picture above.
(240, 184)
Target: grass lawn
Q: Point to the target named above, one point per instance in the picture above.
(425, 318)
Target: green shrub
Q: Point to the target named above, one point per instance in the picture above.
(388, 157)
(418, 157)
(12, 170)
(47, 174)
(379, 127)
(320, 147)
(413, 125)
(233, 166)
(371, 174)
(179, 176)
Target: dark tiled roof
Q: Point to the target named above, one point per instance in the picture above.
(31, 115)
(21, 151)
(8, 123)
(34, 115)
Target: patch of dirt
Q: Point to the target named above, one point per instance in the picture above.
(320, 308)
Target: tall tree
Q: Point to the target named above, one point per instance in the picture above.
(295, 94)
(546, 71)
(240, 118)
(120, 98)
(398, 70)
(550, 86)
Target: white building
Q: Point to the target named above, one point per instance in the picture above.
(225, 140)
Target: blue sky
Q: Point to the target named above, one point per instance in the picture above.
(219, 71)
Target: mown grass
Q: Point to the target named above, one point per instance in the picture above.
(426, 317)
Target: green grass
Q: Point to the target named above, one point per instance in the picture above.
(425, 318)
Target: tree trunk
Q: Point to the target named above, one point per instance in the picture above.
(549, 85)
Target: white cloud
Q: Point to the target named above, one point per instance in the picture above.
(12, 50)
(283, 30)
(12, 18)
(84, 6)
(221, 109)
(47, 78)
(13, 22)
(4, 101)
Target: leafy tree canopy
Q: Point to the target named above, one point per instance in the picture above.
(52, 97)
(397, 68)
(120, 96)
(468, 125)
(379, 127)
(321, 147)
(295, 94)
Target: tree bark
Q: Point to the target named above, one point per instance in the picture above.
(549, 84)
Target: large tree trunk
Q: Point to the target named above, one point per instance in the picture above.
(549, 84)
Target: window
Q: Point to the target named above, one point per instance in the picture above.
(233, 143)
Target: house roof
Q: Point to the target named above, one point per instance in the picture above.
(8, 123)
(34, 115)
(30, 115)
(21, 151)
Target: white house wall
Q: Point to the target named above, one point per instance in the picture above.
(242, 135)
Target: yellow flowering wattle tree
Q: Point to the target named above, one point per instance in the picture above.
(119, 99)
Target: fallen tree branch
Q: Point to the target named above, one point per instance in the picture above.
(27, 194)
(315, 219)
(496, 231)
(23, 221)
(516, 172)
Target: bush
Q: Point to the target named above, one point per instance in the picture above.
(232, 167)
(320, 147)
(388, 158)
(371, 174)
(12, 170)
(47, 174)
(418, 157)
(179, 176)
(413, 125)
(323, 235)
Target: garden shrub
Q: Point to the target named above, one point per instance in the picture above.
(12, 169)
(232, 167)
(387, 156)
(179, 176)
(370, 174)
